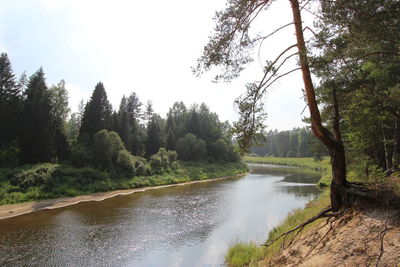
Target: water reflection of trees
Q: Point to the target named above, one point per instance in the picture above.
(301, 178)
(301, 191)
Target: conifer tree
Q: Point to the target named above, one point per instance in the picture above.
(155, 135)
(35, 138)
(9, 103)
(97, 115)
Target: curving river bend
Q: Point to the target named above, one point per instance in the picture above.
(191, 225)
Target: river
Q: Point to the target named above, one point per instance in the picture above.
(191, 225)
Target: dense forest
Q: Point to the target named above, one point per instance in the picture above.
(296, 143)
(38, 130)
(37, 127)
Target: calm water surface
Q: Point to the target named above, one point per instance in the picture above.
(190, 225)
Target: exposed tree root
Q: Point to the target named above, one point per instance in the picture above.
(323, 214)
(354, 191)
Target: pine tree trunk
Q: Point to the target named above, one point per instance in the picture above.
(336, 148)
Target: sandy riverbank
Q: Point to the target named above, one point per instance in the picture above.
(12, 210)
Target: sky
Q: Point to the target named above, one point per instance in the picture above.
(146, 47)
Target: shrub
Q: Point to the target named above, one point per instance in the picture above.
(172, 156)
(126, 162)
(35, 176)
(191, 148)
(80, 155)
(106, 147)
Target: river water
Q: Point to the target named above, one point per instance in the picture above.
(191, 225)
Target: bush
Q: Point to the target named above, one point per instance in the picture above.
(106, 147)
(163, 160)
(9, 156)
(35, 176)
(191, 148)
(218, 150)
(126, 162)
(80, 155)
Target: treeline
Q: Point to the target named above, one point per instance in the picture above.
(296, 143)
(36, 127)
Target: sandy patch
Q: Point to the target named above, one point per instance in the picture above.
(353, 240)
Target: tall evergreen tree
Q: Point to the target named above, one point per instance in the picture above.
(9, 103)
(123, 124)
(36, 127)
(155, 135)
(97, 115)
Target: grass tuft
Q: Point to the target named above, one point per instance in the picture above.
(244, 254)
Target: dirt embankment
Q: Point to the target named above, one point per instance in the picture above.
(368, 236)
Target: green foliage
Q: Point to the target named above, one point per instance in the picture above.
(298, 142)
(81, 156)
(191, 148)
(106, 146)
(163, 161)
(126, 162)
(35, 176)
(10, 103)
(155, 135)
(244, 254)
(35, 182)
(9, 156)
(35, 139)
(97, 114)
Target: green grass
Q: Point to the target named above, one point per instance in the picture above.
(244, 254)
(322, 166)
(44, 181)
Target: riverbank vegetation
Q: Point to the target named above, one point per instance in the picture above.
(47, 152)
(48, 180)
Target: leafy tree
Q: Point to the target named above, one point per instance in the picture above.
(59, 101)
(218, 150)
(126, 162)
(176, 124)
(191, 148)
(106, 147)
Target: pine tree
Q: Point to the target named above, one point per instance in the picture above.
(97, 115)
(36, 135)
(155, 135)
(9, 103)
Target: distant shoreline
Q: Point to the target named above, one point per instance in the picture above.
(14, 210)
